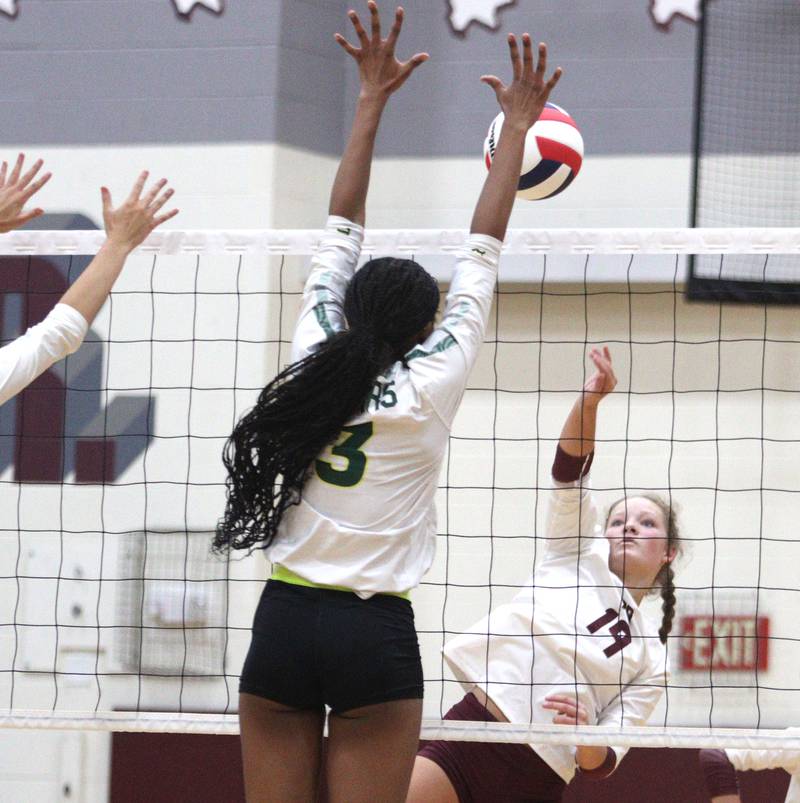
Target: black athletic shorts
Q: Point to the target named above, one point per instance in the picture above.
(491, 773)
(313, 647)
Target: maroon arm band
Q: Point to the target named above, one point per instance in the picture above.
(604, 770)
(568, 468)
(719, 773)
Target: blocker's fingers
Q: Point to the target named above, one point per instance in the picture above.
(394, 33)
(415, 61)
(29, 176)
(527, 55)
(554, 78)
(14, 177)
(345, 44)
(36, 186)
(159, 220)
(136, 191)
(359, 28)
(375, 20)
(159, 202)
(105, 198)
(514, 52)
(26, 216)
(153, 192)
(3, 171)
(494, 82)
(541, 62)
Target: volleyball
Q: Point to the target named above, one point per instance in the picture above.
(553, 153)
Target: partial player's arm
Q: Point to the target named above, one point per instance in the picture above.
(522, 103)
(720, 776)
(126, 228)
(335, 261)
(577, 434)
(720, 766)
(444, 361)
(62, 332)
(635, 703)
(381, 75)
(571, 515)
(16, 189)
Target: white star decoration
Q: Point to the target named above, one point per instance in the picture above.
(8, 7)
(464, 12)
(185, 7)
(665, 11)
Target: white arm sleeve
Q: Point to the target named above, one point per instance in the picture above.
(31, 354)
(635, 703)
(440, 366)
(571, 518)
(788, 760)
(322, 312)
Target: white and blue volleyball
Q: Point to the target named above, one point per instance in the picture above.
(553, 153)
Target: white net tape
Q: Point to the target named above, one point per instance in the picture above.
(432, 729)
(425, 242)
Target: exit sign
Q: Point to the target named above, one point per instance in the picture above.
(734, 643)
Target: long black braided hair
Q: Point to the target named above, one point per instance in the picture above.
(388, 303)
(664, 580)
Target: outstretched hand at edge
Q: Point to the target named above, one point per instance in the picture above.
(129, 225)
(126, 228)
(16, 189)
(380, 71)
(524, 98)
(522, 102)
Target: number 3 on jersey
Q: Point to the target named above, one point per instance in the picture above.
(350, 449)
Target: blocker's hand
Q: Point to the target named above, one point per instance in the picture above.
(523, 99)
(16, 190)
(129, 225)
(380, 71)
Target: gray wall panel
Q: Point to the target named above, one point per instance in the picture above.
(312, 75)
(113, 121)
(90, 24)
(132, 71)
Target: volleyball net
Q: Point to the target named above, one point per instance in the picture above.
(114, 615)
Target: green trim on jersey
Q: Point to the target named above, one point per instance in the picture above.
(444, 344)
(284, 575)
(321, 314)
(324, 296)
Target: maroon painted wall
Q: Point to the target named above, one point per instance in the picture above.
(169, 768)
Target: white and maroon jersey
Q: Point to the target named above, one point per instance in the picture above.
(31, 354)
(366, 520)
(788, 760)
(572, 629)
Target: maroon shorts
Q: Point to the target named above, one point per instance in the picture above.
(490, 773)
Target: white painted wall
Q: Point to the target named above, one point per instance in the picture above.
(253, 185)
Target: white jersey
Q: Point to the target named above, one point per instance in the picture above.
(366, 519)
(788, 760)
(572, 629)
(31, 354)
